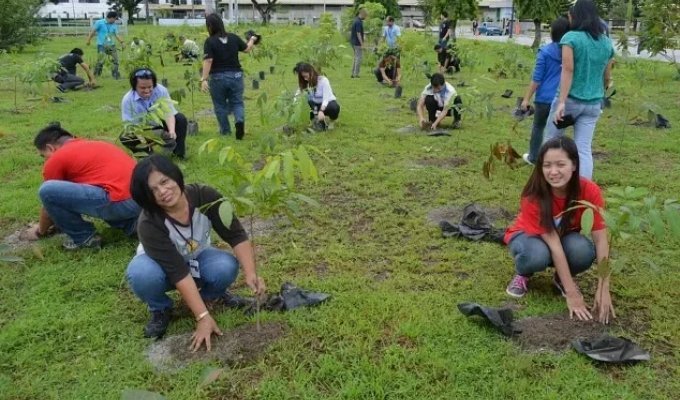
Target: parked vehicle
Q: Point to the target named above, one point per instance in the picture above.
(490, 30)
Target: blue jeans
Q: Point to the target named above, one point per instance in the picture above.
(149, 282)
(67, 202)
(531, 254)
(585, 117)
(226, 91)
(542, 110)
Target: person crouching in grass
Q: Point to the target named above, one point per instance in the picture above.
(546, 232)
(435, 103)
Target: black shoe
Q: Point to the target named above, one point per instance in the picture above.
(240, 130)
(158, 323)
(93, 242)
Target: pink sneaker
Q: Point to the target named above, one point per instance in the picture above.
(517, 286)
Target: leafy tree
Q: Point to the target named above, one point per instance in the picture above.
(130, 6)
(661, 27)
(17, 23)
(391, 6)
(457, 9)
(265, 10)
(540, 11)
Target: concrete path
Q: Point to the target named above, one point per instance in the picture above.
(527, 40)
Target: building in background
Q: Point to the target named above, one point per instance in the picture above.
(292, 11)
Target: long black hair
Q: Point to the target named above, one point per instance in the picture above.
(313, 75)
(139, 184)
(538, 189)
(584, 17)
(215, 25)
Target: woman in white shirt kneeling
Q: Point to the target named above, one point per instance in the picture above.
(320, 96)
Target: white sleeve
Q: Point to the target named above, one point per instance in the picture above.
(324, 86)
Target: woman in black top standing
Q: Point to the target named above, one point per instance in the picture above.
(221, 65)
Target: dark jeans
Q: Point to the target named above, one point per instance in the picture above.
(531, 254)
(226, 91)
(332, 110)
(432, 107)
(68, 81)
(542, 110)
(66, 203)
(181, 125)
(390, 72)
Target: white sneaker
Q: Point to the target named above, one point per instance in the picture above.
(525, 157)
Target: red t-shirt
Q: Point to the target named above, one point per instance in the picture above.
(529, 217)
(93, 163)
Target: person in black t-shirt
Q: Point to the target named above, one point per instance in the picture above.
(444, 29)
(447, 61)
(221, 65)
(67, 77)
(389, 70)
(357, 40)
(176, 251)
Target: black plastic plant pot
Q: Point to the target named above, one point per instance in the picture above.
(256, 84)
(261, 75)
(192, 128)
(164, 82)
(413, 104)
(271, 69)
(397, 92)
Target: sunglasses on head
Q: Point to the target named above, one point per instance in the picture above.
(144, 73)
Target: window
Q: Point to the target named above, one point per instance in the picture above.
(89, 1)
(198, 2)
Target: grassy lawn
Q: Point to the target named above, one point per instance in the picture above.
(71, 329)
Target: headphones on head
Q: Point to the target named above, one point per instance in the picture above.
(143, 73)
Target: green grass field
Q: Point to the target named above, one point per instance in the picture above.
(71, 329)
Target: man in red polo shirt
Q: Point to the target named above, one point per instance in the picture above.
(83, 177)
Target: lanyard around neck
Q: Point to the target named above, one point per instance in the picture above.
(192, 245)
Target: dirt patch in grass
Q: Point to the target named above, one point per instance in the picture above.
(15, 240)
(239, 346)
(601, 155)
(449, 162)
(321, 270)
(554, 332)
(207, 112)
(381, 276)
(453, 214)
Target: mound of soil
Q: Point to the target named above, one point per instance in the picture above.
(454, 214)
(241, 345)
(450, 162)
(554, 332)
(17, 240)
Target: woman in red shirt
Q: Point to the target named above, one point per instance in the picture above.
(546, 232)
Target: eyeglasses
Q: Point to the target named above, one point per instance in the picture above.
(144, 73)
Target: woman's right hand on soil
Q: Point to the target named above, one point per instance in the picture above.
(577, 307)
(204, 330)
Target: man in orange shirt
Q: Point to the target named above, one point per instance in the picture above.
(83, 177)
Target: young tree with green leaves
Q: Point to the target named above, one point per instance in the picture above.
(130, 6)
(17, 23)
(661, 28)
(391, 6)
(540, 11)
